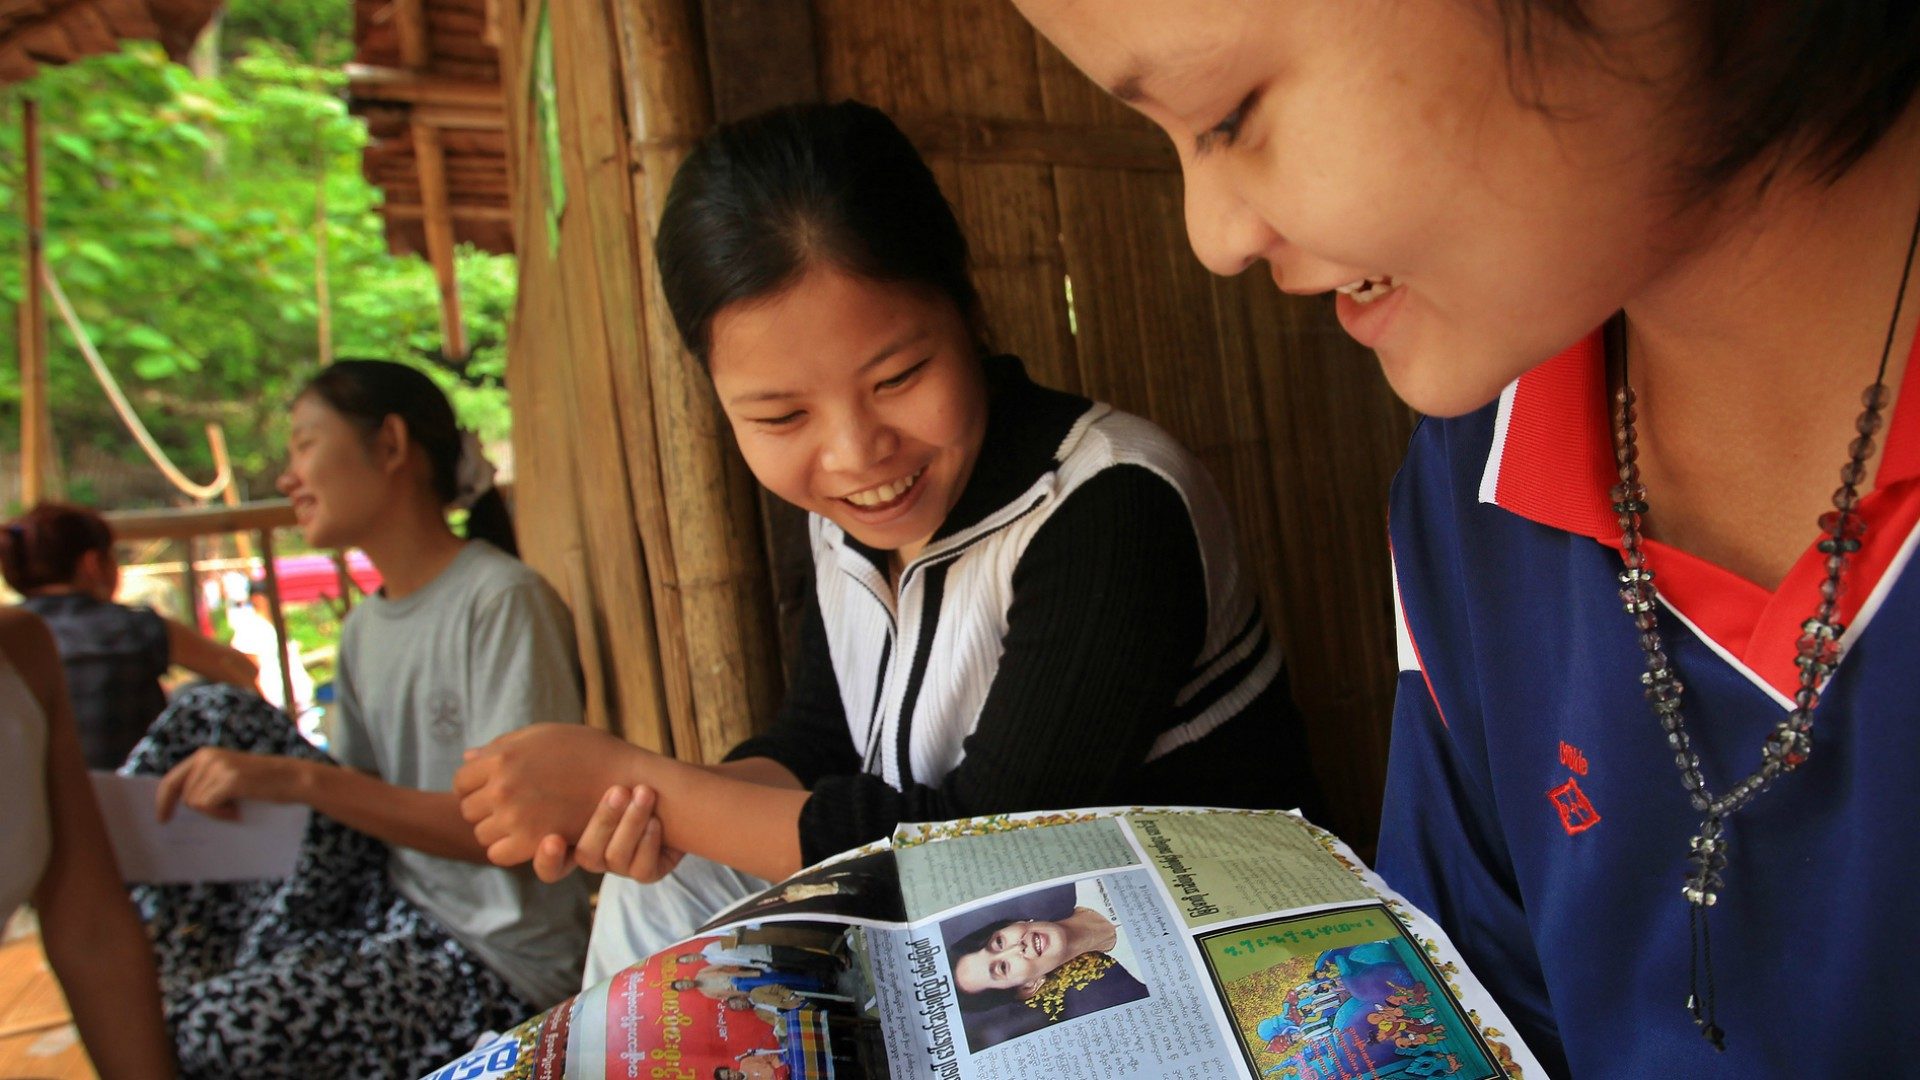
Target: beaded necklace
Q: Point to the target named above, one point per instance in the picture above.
(1820, 650)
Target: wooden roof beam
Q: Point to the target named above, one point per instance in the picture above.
(460, 117)
(131, 19)
(375, 83)
(406, 211)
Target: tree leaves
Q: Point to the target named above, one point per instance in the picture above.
(180, 218)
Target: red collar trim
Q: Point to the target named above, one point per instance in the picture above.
(1552, 456)
(1552, 463)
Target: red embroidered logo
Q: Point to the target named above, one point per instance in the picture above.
(1577, 814)
(1572, 758)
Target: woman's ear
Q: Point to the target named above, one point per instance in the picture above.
(391, 444)
(1030, 987)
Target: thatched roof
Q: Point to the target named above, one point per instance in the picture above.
(35, 32)
(428, 71)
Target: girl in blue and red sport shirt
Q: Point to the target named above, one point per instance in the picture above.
(1730, 189)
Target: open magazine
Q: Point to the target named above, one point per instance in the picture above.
(1186, 944)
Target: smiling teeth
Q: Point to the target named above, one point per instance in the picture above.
(1367, 290)
(885, 493)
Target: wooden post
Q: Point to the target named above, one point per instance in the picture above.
(279, 617)
(36, 415)
(431, 159)
(190, 577)
(345, 577)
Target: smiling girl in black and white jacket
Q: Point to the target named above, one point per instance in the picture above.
(1023, 600)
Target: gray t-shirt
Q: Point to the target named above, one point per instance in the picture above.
(484, 649)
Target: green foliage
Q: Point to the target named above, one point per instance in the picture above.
(320, 31)
(181, 222)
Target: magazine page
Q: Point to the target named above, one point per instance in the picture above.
(1182, 943)
(1173, 943)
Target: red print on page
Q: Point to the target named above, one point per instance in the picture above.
(1577, 814)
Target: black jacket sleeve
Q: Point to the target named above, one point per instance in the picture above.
(1109, 613)
(809, 735)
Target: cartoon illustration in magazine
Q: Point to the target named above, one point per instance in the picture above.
(1341, 995)
(1037, 959)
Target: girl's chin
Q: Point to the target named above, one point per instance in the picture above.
(1434, 385)
(317, 535)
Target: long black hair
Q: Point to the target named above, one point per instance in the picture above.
(760, 200)
(366, 392)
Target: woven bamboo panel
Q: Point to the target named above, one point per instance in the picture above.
(650, 518)
(576, 513)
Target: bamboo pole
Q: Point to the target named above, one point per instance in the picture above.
(603, 398)
(279, 616)
(579, 522)
(709, 498)
(36, 414)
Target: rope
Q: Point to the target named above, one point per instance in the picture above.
(197, 492)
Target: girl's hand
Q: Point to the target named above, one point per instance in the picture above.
(214, 780)
(623, 837)
(542, 780)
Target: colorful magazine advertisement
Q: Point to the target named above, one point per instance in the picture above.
(1185, 944)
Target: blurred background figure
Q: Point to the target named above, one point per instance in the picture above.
(60, 559)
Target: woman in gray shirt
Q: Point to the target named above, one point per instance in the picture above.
(394, 944)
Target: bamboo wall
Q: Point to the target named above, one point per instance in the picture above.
(632, 497)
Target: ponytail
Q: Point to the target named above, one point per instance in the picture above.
(489, 520)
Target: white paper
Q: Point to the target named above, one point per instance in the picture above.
(264, 843)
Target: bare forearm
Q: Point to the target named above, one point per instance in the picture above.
(721, 815)
(210, 659)
(105, 965)
(427, 821)
(757, 770)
